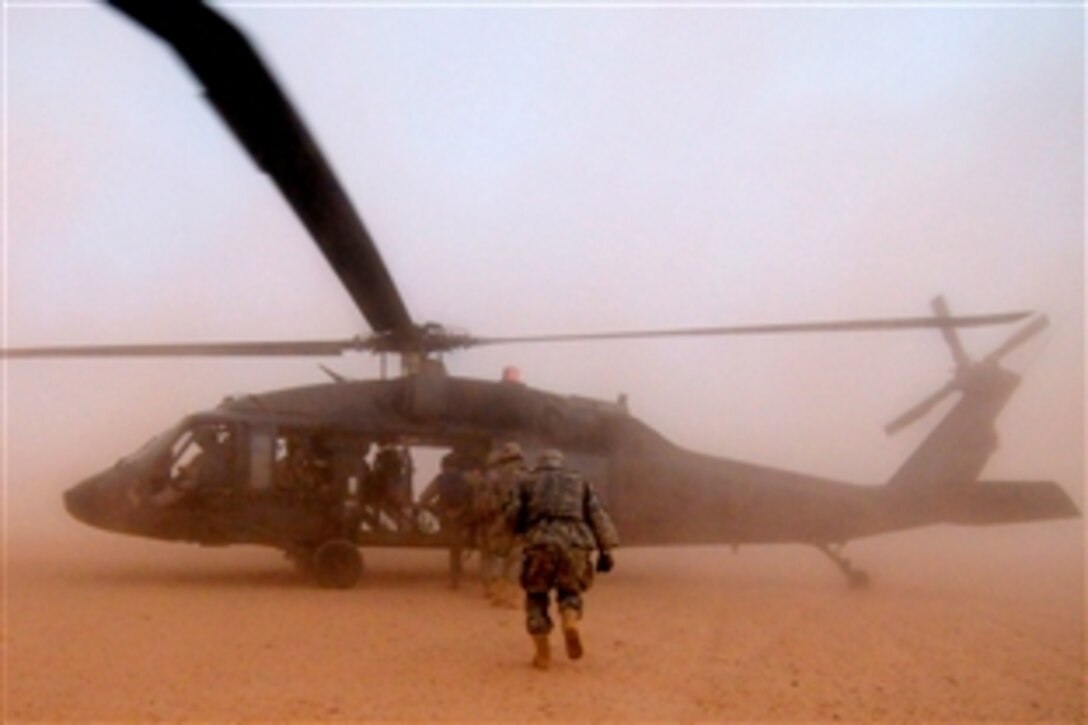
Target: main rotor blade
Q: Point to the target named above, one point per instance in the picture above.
(193, 349)
(250, 101)
(899, 323)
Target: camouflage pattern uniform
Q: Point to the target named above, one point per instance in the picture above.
(449, 495)
(504, 544)
(496, 539)
(391, 487)
(562, 521)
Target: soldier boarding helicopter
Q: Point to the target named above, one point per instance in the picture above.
(284, 468)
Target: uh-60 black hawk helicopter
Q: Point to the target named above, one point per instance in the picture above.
(658, 493)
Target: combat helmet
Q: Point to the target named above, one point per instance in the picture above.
(550, 458)
(509, 451)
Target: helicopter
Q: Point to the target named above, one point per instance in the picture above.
(658, 493)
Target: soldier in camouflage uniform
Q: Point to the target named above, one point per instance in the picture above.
(449, 496)
(562, 521)
(505, 466)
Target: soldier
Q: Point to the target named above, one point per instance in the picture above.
(449, 496)
(391, 484)
(562, 521)
(499, 550)
(495, 538)
(309, 468)
(320, 467)
(210, 468)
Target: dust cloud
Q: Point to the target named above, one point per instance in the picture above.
(965, 625)
(534, 171)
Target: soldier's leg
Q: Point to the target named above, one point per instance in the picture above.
(455, 565)
(504, 592)
(567, 600)
(537, 619)
(511, 561)
(498, 584)
(487, 561)
(509, 575)
(537, 576)
(575, 576)
(569, 604)
(536, 580)
(539, 625)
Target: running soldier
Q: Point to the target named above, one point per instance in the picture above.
(562, 521)
(449, 496)
(505, 465)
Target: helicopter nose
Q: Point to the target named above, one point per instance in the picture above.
(102, 501)
(80, 501)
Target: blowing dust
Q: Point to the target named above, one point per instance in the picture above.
(641, 169)
(959, 624)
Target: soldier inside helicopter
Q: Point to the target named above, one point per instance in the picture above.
(201, 464)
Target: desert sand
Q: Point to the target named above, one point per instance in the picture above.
(959, 624)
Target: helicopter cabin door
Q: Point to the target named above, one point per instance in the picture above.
(262, 447)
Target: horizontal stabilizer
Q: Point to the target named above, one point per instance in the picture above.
(1005, 502)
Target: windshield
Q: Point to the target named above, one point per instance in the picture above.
(153, 449)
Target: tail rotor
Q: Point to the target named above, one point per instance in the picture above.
(966, 371)
(951, 337)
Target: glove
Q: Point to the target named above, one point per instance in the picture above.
(604, 562)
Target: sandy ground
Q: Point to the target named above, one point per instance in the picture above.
(960, 624)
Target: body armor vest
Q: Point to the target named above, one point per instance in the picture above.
(557, 495)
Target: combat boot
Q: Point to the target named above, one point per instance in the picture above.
(571, 638)
(543, 657)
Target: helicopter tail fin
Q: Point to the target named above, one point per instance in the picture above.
(939, 481)
(955, 452)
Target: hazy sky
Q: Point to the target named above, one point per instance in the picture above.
(564, 169)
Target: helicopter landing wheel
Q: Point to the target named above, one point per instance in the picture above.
(337, 564)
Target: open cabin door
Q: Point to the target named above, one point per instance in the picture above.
(262, 449)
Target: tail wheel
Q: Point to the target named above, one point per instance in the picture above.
(337, 564)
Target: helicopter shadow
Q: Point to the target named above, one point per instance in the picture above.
(241, 575)
(137, 576)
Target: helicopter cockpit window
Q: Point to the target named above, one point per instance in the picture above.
(203, 456)
(198, 458)
(150, 451)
